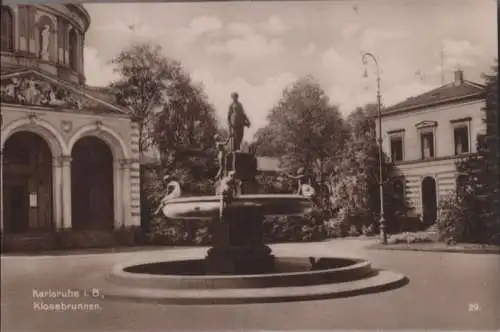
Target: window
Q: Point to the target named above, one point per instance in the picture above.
(427, 145)
(73, 51)
(461, 140)
(396, 148)
(7, 29)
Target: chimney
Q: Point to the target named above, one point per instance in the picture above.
(459, 76)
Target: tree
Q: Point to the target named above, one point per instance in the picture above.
(492, 143)
(185, 130)
(356, 178)
(304, 129)
(173, 113)
(471, 215)
(145, 75)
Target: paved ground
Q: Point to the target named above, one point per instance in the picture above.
(446, 291)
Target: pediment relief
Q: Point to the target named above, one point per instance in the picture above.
(34, 89)
(426, 124)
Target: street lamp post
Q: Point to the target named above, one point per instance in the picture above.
(383, 233)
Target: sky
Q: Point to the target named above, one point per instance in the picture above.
(260, 48)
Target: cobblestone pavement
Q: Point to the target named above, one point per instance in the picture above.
(446, 291)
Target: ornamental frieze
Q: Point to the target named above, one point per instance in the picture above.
(31, 90)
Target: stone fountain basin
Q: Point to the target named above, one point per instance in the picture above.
(288, 272)
(293, 279)
(207, 207)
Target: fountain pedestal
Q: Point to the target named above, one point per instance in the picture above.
(238, 244)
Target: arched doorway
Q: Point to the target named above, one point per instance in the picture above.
(429, 200)
(92, 185)
(27, 180)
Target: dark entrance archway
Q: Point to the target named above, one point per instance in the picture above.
(429, 200)
(92, 196)
(27, 180)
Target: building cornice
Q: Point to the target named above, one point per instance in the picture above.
(464, 99)
(430, 161)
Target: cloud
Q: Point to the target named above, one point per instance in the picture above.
(98, 72)
(374, 37)
(204, 24)
(310, 49)
(350, 29)
(344, 70)
(274, 26)
(348, 89)
(460, 47)
(257, 99)
(460, 53)
(198, 27)
(251, 46)
(240, 28)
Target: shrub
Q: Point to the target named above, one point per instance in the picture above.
(410, 237)
(294, 228)
(335, 228)
(368, 230)
(353, 231)
(450, 220)
(199, 232)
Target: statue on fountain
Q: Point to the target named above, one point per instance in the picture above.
(237, 120)
(228, 189)
(221, 157)
(173, 189)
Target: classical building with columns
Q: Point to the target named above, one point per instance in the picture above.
(70, 159)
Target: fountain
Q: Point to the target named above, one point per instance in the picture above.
(240, 267)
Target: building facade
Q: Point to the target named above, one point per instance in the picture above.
(424, 135)
(69, 152)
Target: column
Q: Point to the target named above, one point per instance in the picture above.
(125, 168)
(57, 196)
(118, 194)
(66, 191)
(16, 28)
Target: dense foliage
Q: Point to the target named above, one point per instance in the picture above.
(304, 129)
(471, 213)
(174, 117)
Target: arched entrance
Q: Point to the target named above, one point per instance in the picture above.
(92, 184)
(429, 200)
(27, 180)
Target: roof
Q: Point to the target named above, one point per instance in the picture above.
(102, 92)
(445, 94)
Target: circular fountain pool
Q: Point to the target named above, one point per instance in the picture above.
(293, 279)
